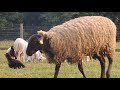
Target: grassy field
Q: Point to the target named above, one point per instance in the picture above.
(45, 70)
(6, 44)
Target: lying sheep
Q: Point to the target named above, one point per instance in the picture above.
(93, 36)
(35, 57)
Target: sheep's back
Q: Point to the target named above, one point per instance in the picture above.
(83, 36)
(20, 44)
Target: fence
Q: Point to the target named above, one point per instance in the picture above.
(11, 33)
(118, 31)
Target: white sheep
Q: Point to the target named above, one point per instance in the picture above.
(20, 46)
(35, 57)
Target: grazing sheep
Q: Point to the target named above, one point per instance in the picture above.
(93, 36)
(25, 57)
(11, 52)
(19, 45)
(13, 63)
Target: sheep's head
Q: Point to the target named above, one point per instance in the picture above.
(35, 43)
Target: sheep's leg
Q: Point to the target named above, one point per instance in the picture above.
(109, 66)
(57, 67)
(80, 67)
(103, 67)
(102, 63)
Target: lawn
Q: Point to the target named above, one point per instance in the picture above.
(46, 70)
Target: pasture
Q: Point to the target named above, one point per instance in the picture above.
(46, 70)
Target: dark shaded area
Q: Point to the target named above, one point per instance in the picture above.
(14, 63)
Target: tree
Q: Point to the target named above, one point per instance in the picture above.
(9, 18)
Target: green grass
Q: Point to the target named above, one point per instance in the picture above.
(118, 45)
(6, 43)
(46, 70)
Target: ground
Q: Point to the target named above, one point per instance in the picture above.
(46, 70)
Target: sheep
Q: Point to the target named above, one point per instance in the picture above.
(20, 46)
(24, 56)
(93, 36)
(11, 52)
(35, 57)
(13, 63)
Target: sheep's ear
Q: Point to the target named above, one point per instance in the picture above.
(39, 31)
(42, 35)
(41, 41)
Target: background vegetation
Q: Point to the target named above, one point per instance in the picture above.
(32, 21)
(48, 19)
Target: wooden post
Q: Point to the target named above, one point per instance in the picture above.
(21, 30)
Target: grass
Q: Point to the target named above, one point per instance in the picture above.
(45, 70)
(6, 44)
(118, 45)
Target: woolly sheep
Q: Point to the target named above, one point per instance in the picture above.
(93, 36)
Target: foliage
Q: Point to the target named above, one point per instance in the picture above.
(9, 18)
(50, 19)
(46, 20)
